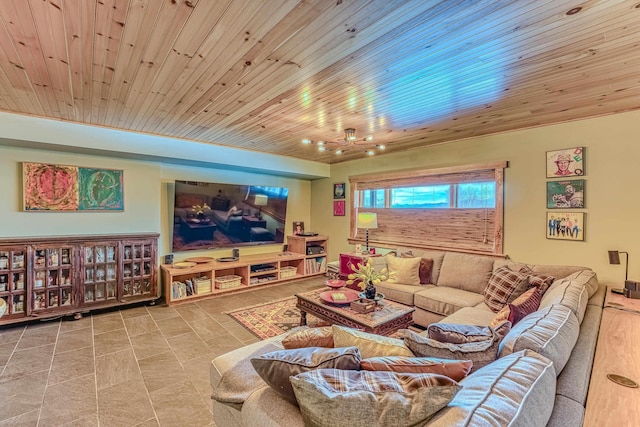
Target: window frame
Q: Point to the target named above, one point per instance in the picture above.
(486, 224)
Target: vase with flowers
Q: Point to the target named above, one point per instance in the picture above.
(199, 210)
(369, 278)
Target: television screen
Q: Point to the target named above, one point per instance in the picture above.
(212, 215)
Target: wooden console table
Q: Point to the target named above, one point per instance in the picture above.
(617, 352)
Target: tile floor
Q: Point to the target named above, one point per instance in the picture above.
(140, 366)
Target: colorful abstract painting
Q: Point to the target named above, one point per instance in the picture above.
(100, 189)
(48, 187)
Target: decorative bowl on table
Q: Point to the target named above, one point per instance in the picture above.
(335, 283)
(379, 297)
(184, 264)
(199, 259)
(340, 297)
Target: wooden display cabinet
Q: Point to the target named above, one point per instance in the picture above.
(13, 281)
(53, 276)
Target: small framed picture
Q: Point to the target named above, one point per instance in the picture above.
(565, 225)
(567, 162)
(298, 228)
(338, 208)
(338, 190)
(565, 194)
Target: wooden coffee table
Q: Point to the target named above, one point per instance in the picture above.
(388, 317)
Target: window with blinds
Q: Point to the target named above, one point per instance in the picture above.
(456, 208)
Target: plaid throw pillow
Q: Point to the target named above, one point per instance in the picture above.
(504, 286)
(332, 397)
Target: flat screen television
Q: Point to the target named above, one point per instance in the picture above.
(210, 215)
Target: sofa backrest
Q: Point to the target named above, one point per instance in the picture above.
(517, 390)
(572, 291)
(465, 271)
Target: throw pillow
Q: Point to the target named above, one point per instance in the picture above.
(504, 286)
(404, 270)
(275, 368)
(454, 369)
(458, 334)
(538, 280)
(481, 353)
(425, 269)
(370, 345)
(520, 308)
(330, 397)
(309, 337)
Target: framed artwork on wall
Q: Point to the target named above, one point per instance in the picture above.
(565, 225)
(338, 208)
(566, 162)
(338, 190)
(49, 187)
(565, 194)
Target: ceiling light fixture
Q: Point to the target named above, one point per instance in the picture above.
(349, 142)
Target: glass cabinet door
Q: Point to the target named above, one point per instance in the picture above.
(137, 265)
(13, 280)
(52, 277)
(100, 272)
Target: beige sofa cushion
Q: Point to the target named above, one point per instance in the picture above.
(470, 316)
(444, 300)
(551, 331)
(266, 408)
(517, 390)
(404, 294)
(465, 271)
(232, 375)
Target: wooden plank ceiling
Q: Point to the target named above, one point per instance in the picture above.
(263, 75)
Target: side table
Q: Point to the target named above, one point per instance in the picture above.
(617, 352)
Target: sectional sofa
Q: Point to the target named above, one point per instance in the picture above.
(540, 375)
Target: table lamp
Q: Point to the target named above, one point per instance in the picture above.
(260, 200)
(367, 220)
(614, 258)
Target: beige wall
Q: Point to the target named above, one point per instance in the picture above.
(148, 192)
(611, 195)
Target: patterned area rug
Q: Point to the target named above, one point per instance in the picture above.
(273, 318)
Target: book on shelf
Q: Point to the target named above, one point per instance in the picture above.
(316, 265)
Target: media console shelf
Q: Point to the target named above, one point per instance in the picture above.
(314, 249)
(215, 278)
